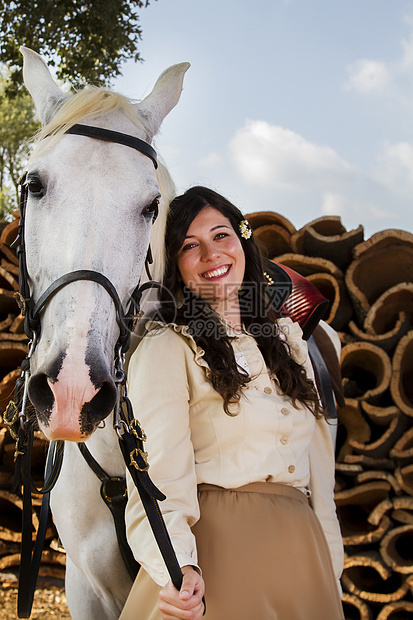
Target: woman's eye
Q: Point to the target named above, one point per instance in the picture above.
(35, 187)
(151, 210)
(188, 246)
(221, 235)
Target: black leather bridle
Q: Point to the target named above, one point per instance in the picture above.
(32, 310)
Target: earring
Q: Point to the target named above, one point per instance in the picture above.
(179, 297)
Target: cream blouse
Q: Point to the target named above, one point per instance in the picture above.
(191, 440)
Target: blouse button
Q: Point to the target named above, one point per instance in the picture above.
(284, 440)
(291, 469)
(285, 411)
(267, 390)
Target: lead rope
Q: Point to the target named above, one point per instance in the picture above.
(30, 562)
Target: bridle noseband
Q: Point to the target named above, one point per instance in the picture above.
(31, 311)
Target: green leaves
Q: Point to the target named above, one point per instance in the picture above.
(86, 40)
(17, 127)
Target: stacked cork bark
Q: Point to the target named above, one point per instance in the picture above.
(13, 350)
(370, 288)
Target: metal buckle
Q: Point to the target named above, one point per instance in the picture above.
(135, 318)
(137, 430)
(144, 457)
(21, 302)
(10, 417)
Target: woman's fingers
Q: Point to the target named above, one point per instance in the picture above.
(170, 612)
(192, 584)
(185, 604)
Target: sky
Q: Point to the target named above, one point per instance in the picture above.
(302, 107)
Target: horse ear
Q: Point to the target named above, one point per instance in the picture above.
(40, 84)
(164, 96)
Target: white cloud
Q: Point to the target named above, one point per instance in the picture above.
(396, 166)
(390, 78)
(368, 75)
(271, 156)
(282, 167)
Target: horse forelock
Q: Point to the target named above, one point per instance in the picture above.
(91, 102)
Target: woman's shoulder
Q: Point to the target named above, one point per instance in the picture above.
(166, 340)
(160, 334)
(289, 327)
(291, 332)
(169, 330)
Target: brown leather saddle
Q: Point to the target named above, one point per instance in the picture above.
(292, 295)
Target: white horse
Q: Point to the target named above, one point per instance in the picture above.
(90, 206)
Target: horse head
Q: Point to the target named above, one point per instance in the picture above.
(90, 207)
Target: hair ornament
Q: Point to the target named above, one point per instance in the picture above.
(245, 229)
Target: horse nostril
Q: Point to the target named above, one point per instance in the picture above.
(101, 404)
(90, 413)
(40, 393)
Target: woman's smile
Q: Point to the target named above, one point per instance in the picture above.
(216, 273)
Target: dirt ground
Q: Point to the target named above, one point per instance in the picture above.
(49, 603)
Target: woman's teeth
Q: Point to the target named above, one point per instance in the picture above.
(216, 272)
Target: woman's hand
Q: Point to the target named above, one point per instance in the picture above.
(185, 604)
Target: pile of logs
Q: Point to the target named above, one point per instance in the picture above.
(370, 287)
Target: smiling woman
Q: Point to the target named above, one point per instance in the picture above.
(236, 437)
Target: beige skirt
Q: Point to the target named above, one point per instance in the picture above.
(263, 556)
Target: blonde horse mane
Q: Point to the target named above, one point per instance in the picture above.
(92, 102)
(168, 192)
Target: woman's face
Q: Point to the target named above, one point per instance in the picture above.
(211, 260)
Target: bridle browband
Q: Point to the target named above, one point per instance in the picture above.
(31, 311)
(108, 135)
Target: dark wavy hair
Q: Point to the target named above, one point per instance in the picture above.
(257, 314)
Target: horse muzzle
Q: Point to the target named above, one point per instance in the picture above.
(71, 400)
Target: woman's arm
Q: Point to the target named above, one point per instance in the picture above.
(159, 393)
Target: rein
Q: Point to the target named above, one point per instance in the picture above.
(131, 436)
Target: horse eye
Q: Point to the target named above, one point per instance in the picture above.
(35, 187)
(151, 210)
